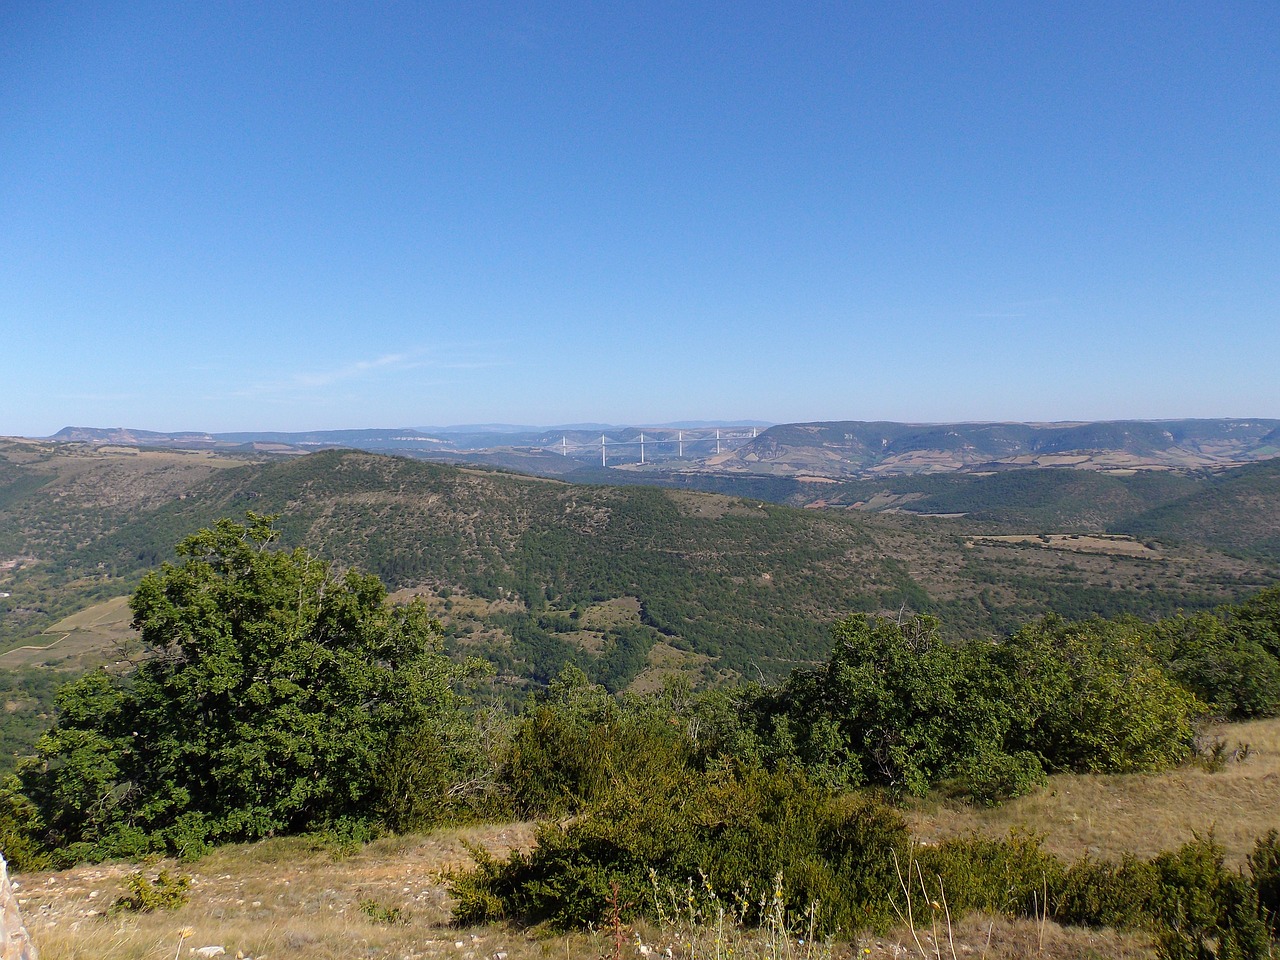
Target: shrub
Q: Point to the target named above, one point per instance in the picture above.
(577, 742)
(166, 892)
(991, 777)
(1014, 876)
(1097, 893)
(1104, 704)
(741, 832)
(20, 825)
(1264, 866)
(1220, 661)
(1205, 910)
(381, 913)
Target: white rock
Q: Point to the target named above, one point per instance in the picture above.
(206, 952)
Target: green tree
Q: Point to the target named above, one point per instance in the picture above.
(888, 708)
(1258, 620)
(577, 742)
(1220, 663)
(1102, 703)
(895, 706)
(275, 692)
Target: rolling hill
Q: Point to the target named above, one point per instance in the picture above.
(1237, 511)
(523, 569)
(832, 449)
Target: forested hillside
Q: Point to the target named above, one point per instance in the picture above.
(518, 567)
(1237, 511)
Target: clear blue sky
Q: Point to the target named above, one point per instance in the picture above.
(285, 216)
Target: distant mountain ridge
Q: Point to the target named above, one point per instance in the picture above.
(853, 448)
(836, 449)
(409, 440)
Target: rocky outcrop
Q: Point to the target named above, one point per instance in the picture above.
(15, 943)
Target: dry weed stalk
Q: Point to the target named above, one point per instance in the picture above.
(742, 930)
(183, 934)
(936, 907)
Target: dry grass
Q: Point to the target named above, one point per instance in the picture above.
(611, 614)
(664, 662)
(996, 938)
(290, 900)
(1108, 544)
(1107, 816)
(281, 899)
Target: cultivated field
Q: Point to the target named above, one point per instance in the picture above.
(79, 642)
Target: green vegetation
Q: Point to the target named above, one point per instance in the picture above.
(1235, 511)
(743, 833)
(744, 588)
(893, 656)
(280, 696)
(143, 895)
(897, 708)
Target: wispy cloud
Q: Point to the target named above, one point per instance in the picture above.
(352, 371)
(377, 369)
(98, 397)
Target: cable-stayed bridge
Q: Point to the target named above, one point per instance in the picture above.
(653, 444)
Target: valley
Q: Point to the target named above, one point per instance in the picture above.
(725, 585)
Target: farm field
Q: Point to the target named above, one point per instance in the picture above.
(78, 642)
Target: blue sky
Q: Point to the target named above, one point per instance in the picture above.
(287, 216)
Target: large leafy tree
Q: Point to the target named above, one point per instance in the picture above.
(279, 696)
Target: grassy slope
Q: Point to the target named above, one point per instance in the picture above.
(1108, 815)
(288, 900)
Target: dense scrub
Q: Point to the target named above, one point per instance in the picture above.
(767, 848)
